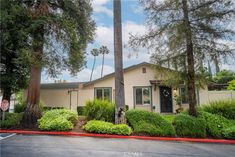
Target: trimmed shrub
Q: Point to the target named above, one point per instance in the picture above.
(97, 126)
(11, 120)
(229, 132)
(188, 126)
(224, 108)
(145, 122)
(215, 124)
(58, 119)
(99, 110)
(80, 110)
(47, 108)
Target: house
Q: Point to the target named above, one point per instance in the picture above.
(143, 90)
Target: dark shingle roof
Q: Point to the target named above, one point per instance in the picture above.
(65, 85)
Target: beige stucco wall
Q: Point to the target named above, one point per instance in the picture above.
(132, 78)
(59, 97)
(209, 96)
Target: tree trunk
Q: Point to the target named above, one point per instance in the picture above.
(102, 66)
(119, 80)
(33, 112)
(190, 60)
(93, 68)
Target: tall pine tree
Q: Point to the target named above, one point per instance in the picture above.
(190, 30)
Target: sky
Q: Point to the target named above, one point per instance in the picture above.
(133, 20)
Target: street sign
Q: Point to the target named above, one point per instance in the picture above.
(4, 105)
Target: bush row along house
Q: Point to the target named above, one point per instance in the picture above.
(143, 90)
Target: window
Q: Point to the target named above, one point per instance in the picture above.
(103, 93)
(143, 70)
(184, 94)
(142, 95)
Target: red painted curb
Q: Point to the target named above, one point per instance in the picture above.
(222, 141)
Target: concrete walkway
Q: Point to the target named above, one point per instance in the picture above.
(62, 146)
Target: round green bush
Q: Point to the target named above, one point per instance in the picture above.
(58, 119)
(97, 126)
(149, 123)
(189, 126)
(99, 110)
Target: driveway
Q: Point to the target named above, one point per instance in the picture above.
(61, 146)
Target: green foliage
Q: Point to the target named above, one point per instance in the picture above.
(215, 124)
(149, 123)
(58, 119)
(11, 120)
(169, 118)
(97, 126)
(224, 76)
(224, 108)
(14, 21)
(80, 110)
(99, 110)
(231, 85)
(189, 126)
(229, 132)
(47, 108)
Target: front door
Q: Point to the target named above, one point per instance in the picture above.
(165, 99)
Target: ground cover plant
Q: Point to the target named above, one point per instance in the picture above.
(58, 119)
(97, 126)
(149, 123)
(216, 124)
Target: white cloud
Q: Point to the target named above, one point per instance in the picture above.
(104, 36)
(99, 7)
(82, 76)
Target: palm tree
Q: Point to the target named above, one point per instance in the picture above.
(95, 53)
(103, 50)
(119, 80)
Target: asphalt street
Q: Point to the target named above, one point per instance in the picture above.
(62, 146)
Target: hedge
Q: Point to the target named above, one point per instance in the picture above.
(188, 126)
(215, 124)
(97, 126)
(145, 122)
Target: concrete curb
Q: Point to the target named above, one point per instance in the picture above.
(200, 140)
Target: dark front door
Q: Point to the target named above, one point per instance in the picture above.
(165, 99)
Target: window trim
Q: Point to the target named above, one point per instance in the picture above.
(110, 89)
(134, 95)
(180, 87)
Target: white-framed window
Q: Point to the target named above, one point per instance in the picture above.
(104, 93)
(142, 95)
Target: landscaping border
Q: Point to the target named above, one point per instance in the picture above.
(200, 140)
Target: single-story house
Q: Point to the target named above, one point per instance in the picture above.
(143, 90)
